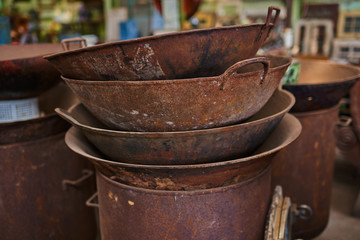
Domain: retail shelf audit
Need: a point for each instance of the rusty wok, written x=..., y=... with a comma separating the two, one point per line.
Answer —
x=23, y=71
x=187, y=104
x=193, y=53
x=321, y=84
x=189, y=177
x=185, y=147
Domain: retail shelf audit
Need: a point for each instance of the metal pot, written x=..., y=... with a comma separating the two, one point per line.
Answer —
x=187, y=177
x=193, y=53
x=23, y=71
x=186, y=104
x=321, y=84
x=233, y=212
x=47, y=125
x=186, y=147
x=305, y=169
x=39, y=196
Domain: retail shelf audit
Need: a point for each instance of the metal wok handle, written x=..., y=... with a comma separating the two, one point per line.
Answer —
x=232, y=71
x=67, y=116
x=65, y=43
x=269, y=16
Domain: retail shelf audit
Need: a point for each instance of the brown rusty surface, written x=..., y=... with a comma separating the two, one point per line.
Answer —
x=28, y=130
x=321, y=84
x=33, y=202
x=23, y=71
x=187, y=147
x=305, y=169
x=46, y=125
x=355, y=107
x=233, y=212
x=193, y=53
x=187, y=104
x=348, y=144
x=185, y=177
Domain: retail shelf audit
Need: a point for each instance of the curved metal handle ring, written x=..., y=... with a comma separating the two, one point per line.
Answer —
x=234, y=69
x=269, y=18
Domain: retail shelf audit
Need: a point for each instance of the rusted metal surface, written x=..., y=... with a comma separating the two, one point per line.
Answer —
x=185, y=54
x=33, y=202
x=23, y=131
x=46, y=125
x=187, y=104
x=187, y=177
x=23, y=71
x=187, y=147
x=34, y=162
x=355, y=107
x=347, y=142
x=321, y=84
x=305, y=169
x=232, y=212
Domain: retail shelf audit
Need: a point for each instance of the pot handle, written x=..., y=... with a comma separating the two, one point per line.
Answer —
x=233, y=70
x=302, y=211
x=90, y=202
x=269, y=19
x=65, y=43
x=344, y=121
x=86, y=173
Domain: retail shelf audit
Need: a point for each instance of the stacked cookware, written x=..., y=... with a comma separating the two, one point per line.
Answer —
x=181, y=128
x=305, y=168
x=39, y=197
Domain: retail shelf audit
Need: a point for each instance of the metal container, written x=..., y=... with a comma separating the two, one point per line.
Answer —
x=233, y=212
x=189, y=177
x=193, y=53
x=23, y=71
x=39, y=196
x=305, y=169
x=186, y=147
x=186, y=104
x=46, y=125
x=321, y=84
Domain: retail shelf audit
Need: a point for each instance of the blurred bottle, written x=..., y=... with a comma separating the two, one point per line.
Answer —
x=5, y=30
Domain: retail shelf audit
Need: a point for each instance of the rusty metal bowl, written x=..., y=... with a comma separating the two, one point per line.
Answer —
x=23, y=71
x=321, y=84
x=186, y=104
x=189, y=177
x=186, y=147
x=193, y=53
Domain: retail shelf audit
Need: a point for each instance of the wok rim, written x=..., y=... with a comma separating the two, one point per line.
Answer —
x=182, y=80
x=159, y=134
x=157, y=37
x=332, y=63
x=72, y=131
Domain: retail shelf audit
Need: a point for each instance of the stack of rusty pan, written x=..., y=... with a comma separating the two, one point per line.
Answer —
x=181, y=128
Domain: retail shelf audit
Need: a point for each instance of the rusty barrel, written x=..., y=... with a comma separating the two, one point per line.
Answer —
x=305, y=169
x=39, y=195
x=236, y=211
